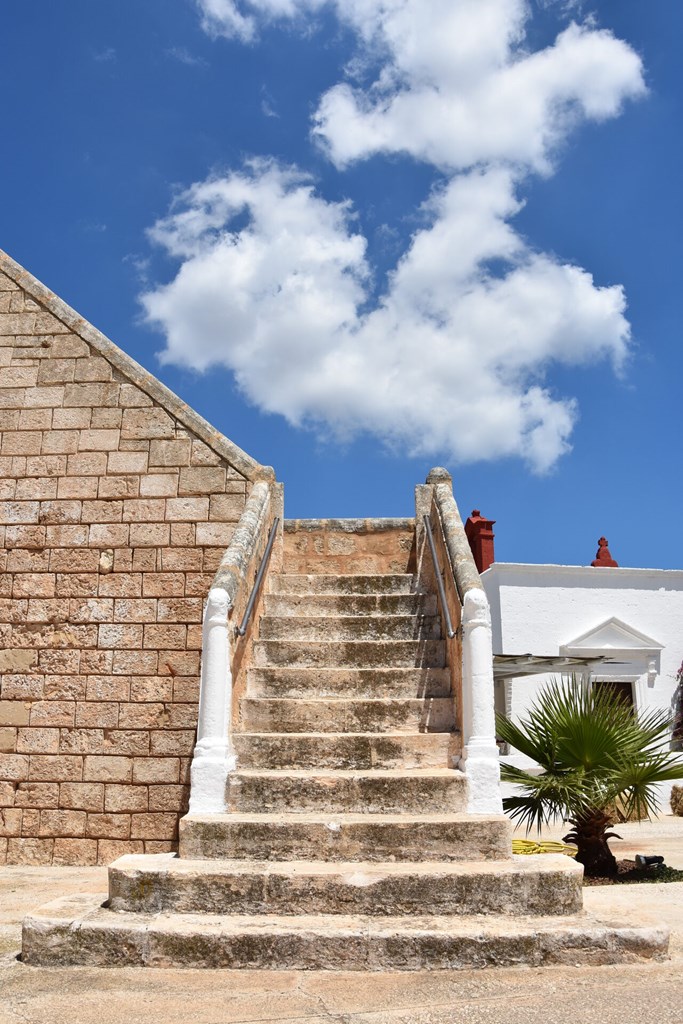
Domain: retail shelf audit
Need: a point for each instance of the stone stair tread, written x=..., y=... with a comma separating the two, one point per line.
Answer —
x=282, y=681
x=408, y=645
x=351, y=773
x=339, y=583
x=412, y=642
x=341, y=817
x=411, y=653
x=351, y=750
x=324, y=621
x=79, y=930
x=332, y=605
x=286, y=577
x=363, y=870
x=353, y=623
x=333, y=714
x=407, y=671
x=91, y=907
x=399, y=736
x=165, y=884
x=332, y=790
x=433, y=714
x=346, y=834
x=316, y=629
x=338, y=775
x=325, y=701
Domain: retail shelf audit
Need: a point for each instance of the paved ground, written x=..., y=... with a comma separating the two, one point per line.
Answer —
x=647, y=994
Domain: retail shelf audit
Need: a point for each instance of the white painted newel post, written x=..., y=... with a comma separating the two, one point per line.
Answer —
x=480, y=760
x=214, y=757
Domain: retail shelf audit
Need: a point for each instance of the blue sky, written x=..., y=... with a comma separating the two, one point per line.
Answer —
x=363, y=239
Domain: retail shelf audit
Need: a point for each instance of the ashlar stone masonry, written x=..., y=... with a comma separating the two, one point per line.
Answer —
x=116, y=504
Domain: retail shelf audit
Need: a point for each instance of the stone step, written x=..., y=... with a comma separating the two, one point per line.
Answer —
x=388, y=791
x=359, y=751
x=358, y=682
x=266, y=714
x=350, y=604
x=333, y=583
x=350, y=653
x=163, y=883
x=350, y=627
x=346, y=837
x=78, y=931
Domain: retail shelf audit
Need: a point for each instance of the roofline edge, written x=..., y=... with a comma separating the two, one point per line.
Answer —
x=137, y=374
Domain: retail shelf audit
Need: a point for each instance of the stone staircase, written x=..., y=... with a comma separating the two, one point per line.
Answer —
x=345, y=843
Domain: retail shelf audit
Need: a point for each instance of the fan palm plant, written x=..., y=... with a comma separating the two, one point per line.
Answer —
x=592, y=751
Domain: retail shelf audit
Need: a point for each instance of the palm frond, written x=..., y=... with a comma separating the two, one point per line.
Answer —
x=538, y=746
x=544, y=796
x=529, y=811
x=591, y=749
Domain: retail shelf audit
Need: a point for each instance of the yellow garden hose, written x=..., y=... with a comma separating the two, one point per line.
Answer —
x=528, y=846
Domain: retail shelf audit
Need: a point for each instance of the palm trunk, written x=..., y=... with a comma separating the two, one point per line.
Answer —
x=590, y=835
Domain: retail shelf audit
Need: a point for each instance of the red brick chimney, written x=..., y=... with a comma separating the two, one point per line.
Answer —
x=603, y=557
x=480, y=535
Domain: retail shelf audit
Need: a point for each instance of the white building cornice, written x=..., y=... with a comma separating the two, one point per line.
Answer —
x=588, y=575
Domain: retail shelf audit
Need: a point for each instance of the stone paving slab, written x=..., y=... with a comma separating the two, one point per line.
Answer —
x=606, y=995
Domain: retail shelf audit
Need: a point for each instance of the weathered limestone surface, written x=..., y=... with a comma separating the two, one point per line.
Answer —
x=361, y=751
x=116, y=504
x=171, y=885
x=345, y=843
x=345, y=683
x=346, y=837
x=327, y=942
x=429, y=790
x=381, y=714
x=349, y=546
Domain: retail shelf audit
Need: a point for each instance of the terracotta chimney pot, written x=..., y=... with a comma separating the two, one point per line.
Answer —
x=479, y=533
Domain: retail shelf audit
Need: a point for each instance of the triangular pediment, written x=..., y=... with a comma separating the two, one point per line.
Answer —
x=611, y=635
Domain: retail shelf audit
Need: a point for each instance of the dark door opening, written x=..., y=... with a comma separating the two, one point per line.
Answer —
x=623, y=691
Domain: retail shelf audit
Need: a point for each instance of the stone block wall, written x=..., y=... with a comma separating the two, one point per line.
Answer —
x=116, y=504
x=363, y=546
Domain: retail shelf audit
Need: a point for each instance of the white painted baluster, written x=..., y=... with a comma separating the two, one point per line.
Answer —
x=480, y=760
x=214, y=757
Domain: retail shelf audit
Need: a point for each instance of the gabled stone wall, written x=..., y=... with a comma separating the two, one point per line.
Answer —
x=116, y=504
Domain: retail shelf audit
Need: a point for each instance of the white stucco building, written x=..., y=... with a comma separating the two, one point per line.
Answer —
x=632, y=616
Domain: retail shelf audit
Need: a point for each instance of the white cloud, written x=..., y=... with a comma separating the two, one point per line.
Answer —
x=268, y=105
x=222, y=18
x=455, y=86
x=451, y=359
x=105, y=56
x=492, y=105
x=455, y=357
x=183, y=56
x=239, y=20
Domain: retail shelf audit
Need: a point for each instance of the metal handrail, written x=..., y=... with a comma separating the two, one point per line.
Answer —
x=439, y=579
x=242, y=628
